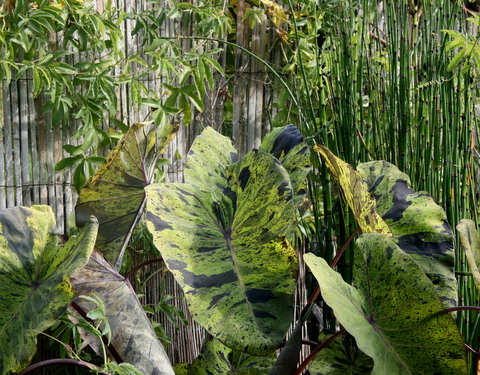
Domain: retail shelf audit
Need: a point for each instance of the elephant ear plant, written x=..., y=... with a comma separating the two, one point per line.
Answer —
x=223, y=234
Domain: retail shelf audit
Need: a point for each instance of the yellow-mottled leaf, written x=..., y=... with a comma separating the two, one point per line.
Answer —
x=355, y=193
x=470, y=244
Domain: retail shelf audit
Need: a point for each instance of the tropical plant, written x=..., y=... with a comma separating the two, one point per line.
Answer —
x=223, y=235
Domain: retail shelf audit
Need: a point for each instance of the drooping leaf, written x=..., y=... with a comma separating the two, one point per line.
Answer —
x=419, y=225
x=355, y=193
x=287, y=361
x=237, y=272
x=131, y=332
x=470, y=245
x=115, y=195
x=34, y=278
x=340, y=357
x=393, y=311
x=287, y=145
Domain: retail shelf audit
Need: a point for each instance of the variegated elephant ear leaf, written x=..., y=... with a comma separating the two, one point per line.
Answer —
x=132, y=334
x=237, y=272
x=340, y=357
x=34, y=275
x=355, y=193
x=210, y=155
x=470, y=243
x=115, y=194
x=393, y=310
x=288, y=146
x=419, y=225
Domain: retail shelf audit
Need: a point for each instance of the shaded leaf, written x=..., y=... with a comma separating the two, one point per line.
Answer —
x=470, y=245
x=216, y=358
x=34, y=275
x=340, y=357
x=288, y=358
x=355, y=193
x=237, y=272
x=419, y=225
x=131, y=332
x=115, y=195
x=287, y=145
x=392, y=310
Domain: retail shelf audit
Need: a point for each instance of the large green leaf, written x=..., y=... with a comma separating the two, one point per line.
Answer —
x=34, y=277
x=393, y=311
x=471, y=246
x=206, y=168
x=115, y=195
x=237, y=272
x=355, y=193
x=418, y=224
x=132, y=334
x=340, y=357
x=287, y=145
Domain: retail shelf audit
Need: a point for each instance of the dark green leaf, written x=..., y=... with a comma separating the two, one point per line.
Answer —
x=68, y=162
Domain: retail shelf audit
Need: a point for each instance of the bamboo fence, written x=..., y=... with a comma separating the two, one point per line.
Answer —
x=30, y=147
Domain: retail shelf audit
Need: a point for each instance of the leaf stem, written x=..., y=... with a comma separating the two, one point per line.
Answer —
x=313, y=354
x=116, y=355
x=334, y=262
x=156, y=260
x=64, y=361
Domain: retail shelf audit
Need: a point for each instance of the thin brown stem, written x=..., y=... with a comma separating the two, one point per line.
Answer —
x=313, y=354
x=63, y=361
x=116, y=355
x=334, y=262
x=156, y=260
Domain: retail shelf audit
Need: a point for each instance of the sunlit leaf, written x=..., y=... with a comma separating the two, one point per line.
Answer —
x=361, y=202
x=115, y=192
x=132, y=334
x=471, y=246
x=419, y=226
x=227, y=252
x=34, y=275
x=393, y=311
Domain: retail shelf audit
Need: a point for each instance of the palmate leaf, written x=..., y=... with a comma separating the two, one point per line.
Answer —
x=471, y=246
x=115, y=195
x=340, y=357
x=132, y=334
x=355, y=192
x=34, y=278
x=393, y=311
x=287, y=145
x=418, y=224
x=237, y=273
